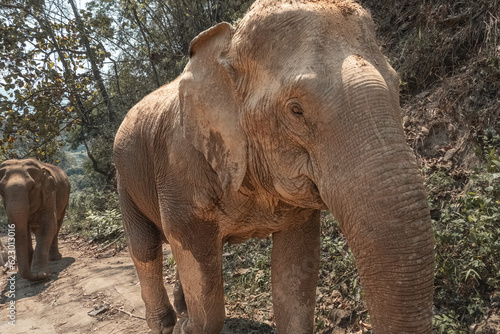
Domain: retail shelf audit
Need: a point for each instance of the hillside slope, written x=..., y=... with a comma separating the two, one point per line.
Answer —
x=447, y=54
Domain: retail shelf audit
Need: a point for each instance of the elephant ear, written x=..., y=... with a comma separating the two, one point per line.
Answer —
x=209, y=109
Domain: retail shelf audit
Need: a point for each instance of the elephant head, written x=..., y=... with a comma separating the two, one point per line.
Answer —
x=299, y=102
x=25, y=186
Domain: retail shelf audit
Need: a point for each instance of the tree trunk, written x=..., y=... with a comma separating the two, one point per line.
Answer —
x=142, y=29
x=93, y=62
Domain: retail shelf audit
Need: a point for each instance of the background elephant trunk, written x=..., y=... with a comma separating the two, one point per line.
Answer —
x=376, y=193
x=18, y=208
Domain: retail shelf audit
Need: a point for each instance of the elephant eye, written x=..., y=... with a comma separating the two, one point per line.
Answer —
x=295, y=108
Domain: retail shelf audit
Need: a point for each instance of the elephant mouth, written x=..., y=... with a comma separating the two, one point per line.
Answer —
x=301, y=192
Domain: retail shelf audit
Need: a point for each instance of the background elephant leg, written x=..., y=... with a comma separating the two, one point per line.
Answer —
x=54, y=253
x=179, y=299
x=44, y=236
x=294, y=270
x=202, y=286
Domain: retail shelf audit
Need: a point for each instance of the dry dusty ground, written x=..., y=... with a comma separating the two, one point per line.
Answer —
x=81, y=283
x=86, y=280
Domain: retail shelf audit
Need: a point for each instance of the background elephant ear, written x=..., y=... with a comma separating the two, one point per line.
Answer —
x=209, y=109
x=48, y=187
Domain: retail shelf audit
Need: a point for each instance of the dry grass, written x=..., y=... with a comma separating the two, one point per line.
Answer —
x=429, y=40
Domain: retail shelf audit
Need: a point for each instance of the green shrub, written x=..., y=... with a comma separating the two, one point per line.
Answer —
x=94, y=214
x=104, y=226
x=3, y=217
x=447, y=324
x=341, y=296
x=467, y=251
x=247, y=278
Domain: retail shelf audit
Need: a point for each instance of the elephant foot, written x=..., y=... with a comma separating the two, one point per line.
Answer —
x=182, y=326
x=164, y=324
x=36, y=277
x=39, y=272
x=163, y=330
x=55, y=256
x=185, y=326
x=39, y=276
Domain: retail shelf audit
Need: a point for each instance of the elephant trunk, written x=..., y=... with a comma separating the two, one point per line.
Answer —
x=386, y=221
x=378, y=197
x=18, y=214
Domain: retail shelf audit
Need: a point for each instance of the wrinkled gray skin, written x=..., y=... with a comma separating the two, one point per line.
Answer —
x=35, y=196
x=292, y=112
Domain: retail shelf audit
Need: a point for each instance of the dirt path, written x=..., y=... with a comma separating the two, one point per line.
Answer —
x=90, y=291
x=81, y=283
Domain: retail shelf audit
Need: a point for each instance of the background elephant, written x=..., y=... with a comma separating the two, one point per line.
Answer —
x=293, y=111
x=35, y=197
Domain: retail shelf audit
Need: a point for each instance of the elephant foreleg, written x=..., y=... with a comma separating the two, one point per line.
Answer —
x=294, y=270
x=44, y=237
x=54, y=253
x=200, y=272
x=145, y=246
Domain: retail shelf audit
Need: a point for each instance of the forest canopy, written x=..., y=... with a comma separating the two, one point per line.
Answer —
x=72, y=70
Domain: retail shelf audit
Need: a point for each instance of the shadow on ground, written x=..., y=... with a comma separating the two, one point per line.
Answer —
x=26, y=289
x=242, y=325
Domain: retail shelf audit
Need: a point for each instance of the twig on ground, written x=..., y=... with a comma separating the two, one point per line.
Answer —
x=111, y=243
x=132, y=315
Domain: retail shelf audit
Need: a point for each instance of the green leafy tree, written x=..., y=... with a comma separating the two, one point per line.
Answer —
x=39, y=61
x=151, y=38
x=52, y=83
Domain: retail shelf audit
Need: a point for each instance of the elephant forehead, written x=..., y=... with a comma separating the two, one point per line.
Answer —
x=303, y=50
x=287, y=27
x=309, y=79
x=268, y=7
x=16, y=176
x=16, y=163
x=19, y=168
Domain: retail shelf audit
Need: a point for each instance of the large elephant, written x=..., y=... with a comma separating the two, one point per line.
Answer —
x=294, y=111
x=35, y=197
